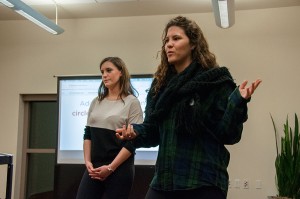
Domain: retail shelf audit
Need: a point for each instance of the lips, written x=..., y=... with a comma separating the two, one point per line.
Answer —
x=169, y=53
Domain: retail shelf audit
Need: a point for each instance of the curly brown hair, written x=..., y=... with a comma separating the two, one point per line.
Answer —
x=200, y=53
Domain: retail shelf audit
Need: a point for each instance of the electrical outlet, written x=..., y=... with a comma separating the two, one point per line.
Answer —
x=258, y=184
x=246, y=184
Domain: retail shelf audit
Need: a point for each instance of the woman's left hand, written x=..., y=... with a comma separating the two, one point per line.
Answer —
x=101, y=173
x=246, y=92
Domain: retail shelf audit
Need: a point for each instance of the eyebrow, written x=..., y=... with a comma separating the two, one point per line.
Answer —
x=176, y=34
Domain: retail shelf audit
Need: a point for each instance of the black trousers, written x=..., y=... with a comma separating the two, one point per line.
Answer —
x=201, y=193
x=116, y=186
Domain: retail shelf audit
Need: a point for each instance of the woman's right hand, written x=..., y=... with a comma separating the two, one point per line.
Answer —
x=89, y=166
x=126, y=133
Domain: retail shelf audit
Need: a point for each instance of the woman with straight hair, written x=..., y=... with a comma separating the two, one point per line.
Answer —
x=109, y=161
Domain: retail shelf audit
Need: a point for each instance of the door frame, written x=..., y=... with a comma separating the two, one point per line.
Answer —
x=22, y=141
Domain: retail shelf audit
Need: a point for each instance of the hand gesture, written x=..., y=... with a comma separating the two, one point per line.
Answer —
x=246, y=92
x=125, y=133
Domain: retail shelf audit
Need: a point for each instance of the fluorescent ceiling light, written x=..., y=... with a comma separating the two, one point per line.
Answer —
x=37, y=22
x=8, y=4
x=224, y=12
x=223, y=9
x=34, y=16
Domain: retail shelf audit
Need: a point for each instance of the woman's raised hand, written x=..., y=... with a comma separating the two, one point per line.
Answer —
x=246, y=92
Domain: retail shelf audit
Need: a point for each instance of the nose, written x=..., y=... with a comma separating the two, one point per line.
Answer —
x=169, y=44
x=104, y=74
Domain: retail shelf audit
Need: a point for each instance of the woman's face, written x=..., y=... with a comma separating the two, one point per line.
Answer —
x=178, y=48
x=110, y=74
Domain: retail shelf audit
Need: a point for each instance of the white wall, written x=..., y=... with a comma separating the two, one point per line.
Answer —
x=262, y=44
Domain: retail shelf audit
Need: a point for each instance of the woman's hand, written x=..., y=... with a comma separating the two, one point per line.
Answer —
x=93, y=173
x=89, y=166
x=101, y=173
x=126, y=133
x=246, y=92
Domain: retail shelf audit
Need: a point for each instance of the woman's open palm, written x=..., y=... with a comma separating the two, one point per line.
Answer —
x=246, y=92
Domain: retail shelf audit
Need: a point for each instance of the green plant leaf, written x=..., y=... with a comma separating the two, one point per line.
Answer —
x=287, y=162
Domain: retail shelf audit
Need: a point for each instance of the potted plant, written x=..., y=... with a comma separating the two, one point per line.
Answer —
x=287, y=162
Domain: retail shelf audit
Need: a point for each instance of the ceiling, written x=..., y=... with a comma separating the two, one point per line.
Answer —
x=72, y=9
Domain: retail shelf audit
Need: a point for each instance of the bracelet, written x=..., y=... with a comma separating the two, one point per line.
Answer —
x=110, y=169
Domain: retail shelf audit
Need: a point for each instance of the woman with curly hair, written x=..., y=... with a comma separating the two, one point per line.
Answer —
x=194, y=108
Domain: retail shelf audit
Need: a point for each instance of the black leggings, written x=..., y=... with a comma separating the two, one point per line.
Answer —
x=200, y=193
x=116, y=186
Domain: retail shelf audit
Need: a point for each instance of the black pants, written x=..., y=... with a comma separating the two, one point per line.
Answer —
x=201, y=193
x=116, y=186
